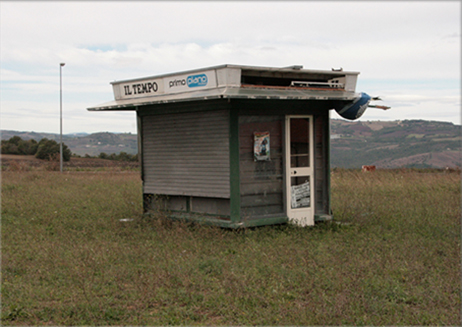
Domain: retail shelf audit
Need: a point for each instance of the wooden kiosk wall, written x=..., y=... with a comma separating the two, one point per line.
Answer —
x=197, y=159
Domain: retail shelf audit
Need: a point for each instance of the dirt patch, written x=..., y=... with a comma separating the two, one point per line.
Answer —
x=375, y=126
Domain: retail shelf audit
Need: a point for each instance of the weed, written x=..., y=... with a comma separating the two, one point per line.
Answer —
x=19, y=166
x=14, y=313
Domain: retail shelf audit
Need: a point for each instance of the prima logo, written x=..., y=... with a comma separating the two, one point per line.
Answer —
x=197, y=80
x=176, y=82
x=190, y=81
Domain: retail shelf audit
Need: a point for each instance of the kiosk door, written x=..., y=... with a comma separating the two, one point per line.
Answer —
x=299, y=170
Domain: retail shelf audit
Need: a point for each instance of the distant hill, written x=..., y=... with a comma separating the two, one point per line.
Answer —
x=83, y=143
x=385, y=144
x=408, y=143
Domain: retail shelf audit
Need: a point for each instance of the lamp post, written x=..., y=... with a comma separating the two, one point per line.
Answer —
x=61, y=117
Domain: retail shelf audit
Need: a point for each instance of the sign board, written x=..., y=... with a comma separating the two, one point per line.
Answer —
x=301, y=195
x=165, y=85
x=261, y=147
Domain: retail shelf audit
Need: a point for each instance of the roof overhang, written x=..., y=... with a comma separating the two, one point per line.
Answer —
x=227, y=93
x=233, y=82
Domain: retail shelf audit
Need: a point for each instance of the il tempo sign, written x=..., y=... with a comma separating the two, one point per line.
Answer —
x=166, y=85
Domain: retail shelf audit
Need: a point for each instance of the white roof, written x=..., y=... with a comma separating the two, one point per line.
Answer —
x=233, y=82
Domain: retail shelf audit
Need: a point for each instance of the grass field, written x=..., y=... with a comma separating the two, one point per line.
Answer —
x=391, y=258
x=13, y=162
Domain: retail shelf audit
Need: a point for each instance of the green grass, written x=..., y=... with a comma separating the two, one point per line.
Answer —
x=392, y=257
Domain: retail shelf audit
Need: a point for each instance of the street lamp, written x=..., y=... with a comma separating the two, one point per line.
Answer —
x=61, y=117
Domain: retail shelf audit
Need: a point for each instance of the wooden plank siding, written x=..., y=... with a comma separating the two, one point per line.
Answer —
x=262, y=187
x=187, y=154
x=199, y=159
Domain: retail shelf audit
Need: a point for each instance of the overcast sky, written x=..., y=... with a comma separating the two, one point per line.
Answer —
x=407, y=52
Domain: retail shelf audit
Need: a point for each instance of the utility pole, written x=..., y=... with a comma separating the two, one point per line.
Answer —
x=61, y=117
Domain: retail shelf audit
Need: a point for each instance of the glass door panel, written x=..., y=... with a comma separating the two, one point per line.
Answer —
x=299, y=169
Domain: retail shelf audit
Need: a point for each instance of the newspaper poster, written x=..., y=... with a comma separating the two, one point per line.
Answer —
x=301, y=195
x=261, y=147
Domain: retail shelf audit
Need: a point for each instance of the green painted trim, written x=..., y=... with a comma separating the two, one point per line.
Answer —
x=284, y=107
x=188, y=204
x=265, y=221
x=202, y=219
x=213, y=221
x=185, y=213
x=321, y=217
x=234, y=178
x=182, y=107
x=328, y=172
x=139, y=126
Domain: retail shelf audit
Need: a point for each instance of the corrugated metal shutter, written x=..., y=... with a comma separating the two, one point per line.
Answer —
x=187, y=154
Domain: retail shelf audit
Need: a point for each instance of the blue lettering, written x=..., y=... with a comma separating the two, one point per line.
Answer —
x=197, y=80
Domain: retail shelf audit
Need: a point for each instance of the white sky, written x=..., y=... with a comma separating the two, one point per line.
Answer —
x=407, y=52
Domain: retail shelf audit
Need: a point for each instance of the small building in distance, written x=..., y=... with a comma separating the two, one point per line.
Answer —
x=238, y=146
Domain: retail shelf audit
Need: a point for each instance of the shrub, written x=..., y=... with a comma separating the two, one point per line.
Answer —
x=28, y=147
x=9, y=148
x=47, y=149
x=122, y=156
x=103, y=155
x=16, y=145
x=15, y=140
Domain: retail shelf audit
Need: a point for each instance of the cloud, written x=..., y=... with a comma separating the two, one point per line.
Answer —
x=407, y=52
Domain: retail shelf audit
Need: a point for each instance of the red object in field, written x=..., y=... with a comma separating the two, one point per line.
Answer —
x=368, y=168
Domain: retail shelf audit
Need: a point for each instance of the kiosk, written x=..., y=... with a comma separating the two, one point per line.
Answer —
x=238, y=146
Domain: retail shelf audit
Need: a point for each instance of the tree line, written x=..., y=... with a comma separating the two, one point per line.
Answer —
x=49, y=150
x=44, y=149
x=122, y=156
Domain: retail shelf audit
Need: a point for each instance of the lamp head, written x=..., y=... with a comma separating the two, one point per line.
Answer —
x=62, y=64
